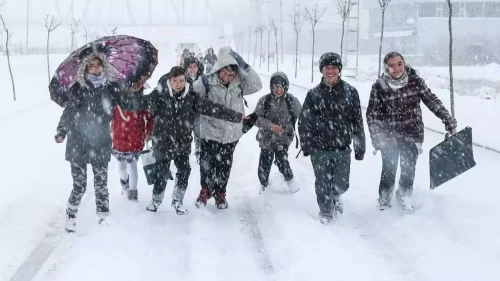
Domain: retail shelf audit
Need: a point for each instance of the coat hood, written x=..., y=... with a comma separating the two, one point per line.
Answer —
x=109, y=71
x=279, y=77
x=224, y=59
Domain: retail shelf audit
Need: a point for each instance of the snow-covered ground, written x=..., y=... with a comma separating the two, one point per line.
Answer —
x=275, y=236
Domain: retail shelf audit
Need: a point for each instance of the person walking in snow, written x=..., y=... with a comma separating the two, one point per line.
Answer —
x=210, y=59
x=194, y=70
x=396, y=128
x=277, y=113
x=130, y=131
x=86, y=122
x=231, y=79
x=330, y=121
x=174, y=106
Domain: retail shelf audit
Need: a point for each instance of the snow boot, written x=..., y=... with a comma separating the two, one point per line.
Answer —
x=179, y=207
x=203, y=197
x=101, y=218
x=70, y=223
x=153, y=207
x=325, y=217
x=125, y=185
x=220, y=200
x=338, y=207
x=404, y=201
x=384, y=200
x=132, y=194
x=293, y=186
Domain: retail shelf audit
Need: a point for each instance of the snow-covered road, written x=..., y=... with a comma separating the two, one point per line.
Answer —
x=274, y=236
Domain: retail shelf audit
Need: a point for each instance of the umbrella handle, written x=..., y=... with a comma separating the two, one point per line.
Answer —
x=126, y=119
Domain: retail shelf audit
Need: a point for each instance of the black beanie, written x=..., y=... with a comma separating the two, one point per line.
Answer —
x=330, y=58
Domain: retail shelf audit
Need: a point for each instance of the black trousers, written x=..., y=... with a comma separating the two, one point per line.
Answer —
x=79, y=174
x=407, y=154
x=266, y=161
x=216, y=161
x=162, y=170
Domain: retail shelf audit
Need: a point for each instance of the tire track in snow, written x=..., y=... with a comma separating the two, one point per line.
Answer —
x=251, y=225
x=386, y=249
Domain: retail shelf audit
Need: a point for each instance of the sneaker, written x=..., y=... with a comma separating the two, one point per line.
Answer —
x=404, y=200
x=153, y=207
x=124, y=184
x=179, y=208
x=70, y=223
x=132, y=194
x=293, y=185
x=220, y=200
x=203, y=197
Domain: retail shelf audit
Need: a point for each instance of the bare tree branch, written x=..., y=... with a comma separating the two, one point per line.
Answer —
x=112, y=31
x=86, y=34
x=51, y=23
x=74, y=29
x=313, y=17
x=9, y=35
x=261, y=29
x=274, y=27
x=383, y=6
x=297, y=19
x=344, y=8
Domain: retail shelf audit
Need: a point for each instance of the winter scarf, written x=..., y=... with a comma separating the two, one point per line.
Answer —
x=98, y=80
x=395, y=83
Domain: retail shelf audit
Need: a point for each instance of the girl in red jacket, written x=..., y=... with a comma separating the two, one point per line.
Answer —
x=131, y=130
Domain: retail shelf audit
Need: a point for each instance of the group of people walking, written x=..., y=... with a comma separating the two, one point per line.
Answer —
x=187, y=105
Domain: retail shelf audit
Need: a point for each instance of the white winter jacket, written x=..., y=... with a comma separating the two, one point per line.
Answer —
x=245, y=83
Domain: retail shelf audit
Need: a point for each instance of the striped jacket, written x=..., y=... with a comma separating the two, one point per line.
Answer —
x=396, y=114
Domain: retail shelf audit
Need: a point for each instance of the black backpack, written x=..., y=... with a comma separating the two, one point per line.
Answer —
x=248, y=124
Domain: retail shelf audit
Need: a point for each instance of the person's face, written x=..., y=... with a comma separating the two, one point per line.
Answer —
x=395, y=67
x=278, y=90
x=226, y=76
x=178, y=83
x=95, y=66
x=331, y=74
x=193, y=69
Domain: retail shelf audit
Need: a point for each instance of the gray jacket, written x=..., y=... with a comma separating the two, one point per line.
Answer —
x=245, y=83
x=277, y=113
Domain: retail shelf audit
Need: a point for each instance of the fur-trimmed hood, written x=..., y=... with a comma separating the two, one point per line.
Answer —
x=109, y=71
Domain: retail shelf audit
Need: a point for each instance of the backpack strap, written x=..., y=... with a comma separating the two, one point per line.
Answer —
x=293, y=119
x=267, y=104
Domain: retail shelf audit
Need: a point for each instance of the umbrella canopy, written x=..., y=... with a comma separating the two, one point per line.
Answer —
x=127, y=61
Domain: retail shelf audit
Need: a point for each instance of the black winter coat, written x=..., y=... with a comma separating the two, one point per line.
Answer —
x=331, y=118
x=86, y=123
x=174, y=118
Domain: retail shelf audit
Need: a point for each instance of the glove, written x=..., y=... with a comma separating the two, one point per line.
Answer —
x=239, y=60
x=359, y=154
x=306, y=153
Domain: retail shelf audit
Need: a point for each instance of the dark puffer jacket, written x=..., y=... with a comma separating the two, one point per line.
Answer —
x=86, y=123
x=174, y=116
x=331, y=117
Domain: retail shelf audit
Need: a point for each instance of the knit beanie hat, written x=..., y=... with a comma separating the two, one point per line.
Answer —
x=330, y=58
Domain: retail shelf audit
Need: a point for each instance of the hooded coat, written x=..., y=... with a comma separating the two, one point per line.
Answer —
x=245, y=83
x=174, y=116
x=277, y=113
x=86, y=119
